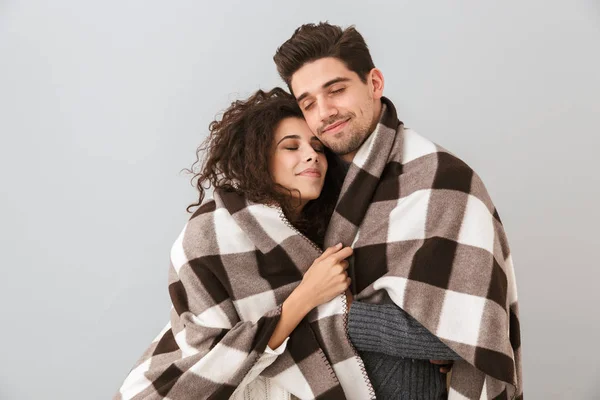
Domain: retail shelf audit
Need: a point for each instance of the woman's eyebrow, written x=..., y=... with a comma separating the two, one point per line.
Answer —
x=288, y=137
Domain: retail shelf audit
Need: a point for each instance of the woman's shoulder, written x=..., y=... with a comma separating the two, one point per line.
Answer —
x=215, y=217
x=207, y=208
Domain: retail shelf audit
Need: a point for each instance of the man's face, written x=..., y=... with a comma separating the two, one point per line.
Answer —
x=338, y=107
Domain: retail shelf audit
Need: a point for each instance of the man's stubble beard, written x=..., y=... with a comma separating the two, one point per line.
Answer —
x=352, y=144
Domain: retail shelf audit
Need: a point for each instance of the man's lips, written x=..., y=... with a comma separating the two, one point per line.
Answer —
x=312, y=172
x=335, y=126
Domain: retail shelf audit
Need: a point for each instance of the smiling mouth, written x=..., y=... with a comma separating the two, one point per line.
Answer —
x=311, y=172
x=335, y=126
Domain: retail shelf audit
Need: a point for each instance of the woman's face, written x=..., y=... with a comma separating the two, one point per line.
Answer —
x=297, y=159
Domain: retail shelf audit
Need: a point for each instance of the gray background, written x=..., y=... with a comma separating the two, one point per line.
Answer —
x=102, y=104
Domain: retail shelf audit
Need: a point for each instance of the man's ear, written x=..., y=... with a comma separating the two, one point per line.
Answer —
x=376, y=81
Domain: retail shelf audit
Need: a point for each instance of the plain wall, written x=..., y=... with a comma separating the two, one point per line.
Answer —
x=103, y=103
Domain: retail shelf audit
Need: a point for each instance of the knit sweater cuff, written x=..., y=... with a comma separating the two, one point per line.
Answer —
x=387, y=329
x=278, y=350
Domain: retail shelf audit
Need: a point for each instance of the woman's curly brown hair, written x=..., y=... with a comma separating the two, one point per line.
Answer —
x=235, y=157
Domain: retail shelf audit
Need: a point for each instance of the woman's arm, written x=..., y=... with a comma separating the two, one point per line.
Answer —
x=293, y=310
x=207, y=350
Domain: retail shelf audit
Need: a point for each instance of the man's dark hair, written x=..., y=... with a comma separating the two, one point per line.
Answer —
x=311, y=42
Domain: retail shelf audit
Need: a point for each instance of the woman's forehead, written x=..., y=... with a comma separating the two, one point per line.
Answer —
x=293, y=126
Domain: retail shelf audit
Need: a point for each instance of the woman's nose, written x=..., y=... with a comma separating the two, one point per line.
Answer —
x=311, y=155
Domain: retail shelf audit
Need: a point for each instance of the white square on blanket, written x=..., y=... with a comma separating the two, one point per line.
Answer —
x=415, y=146
x=269, y=219
x=365, y=150
x=395, y=287
x=408, y=219
x=477, y=227
x=295, y=380
x=136, y=381
x=230, y=237
x=178, y=257
x=187, y=349
x=213, y=317
x=335, y=306
x=461, y=317
x=219, y=364
x=352, y=379
x=252, y=308
x=454, y=395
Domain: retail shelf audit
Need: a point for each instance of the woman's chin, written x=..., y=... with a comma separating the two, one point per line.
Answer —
x=309, y=195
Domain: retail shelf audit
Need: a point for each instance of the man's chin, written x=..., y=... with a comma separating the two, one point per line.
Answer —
x=335, y=141
x=340, y=149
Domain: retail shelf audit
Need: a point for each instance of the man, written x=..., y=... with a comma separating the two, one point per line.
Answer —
x=434, y=259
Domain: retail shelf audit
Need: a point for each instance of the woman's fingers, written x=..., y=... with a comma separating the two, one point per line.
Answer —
x=329, y=251
x=344, y=264
x=340, y=255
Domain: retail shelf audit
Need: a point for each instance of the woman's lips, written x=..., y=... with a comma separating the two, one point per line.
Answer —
x=311, y=172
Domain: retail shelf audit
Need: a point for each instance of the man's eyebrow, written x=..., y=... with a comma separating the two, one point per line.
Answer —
x=324, y=86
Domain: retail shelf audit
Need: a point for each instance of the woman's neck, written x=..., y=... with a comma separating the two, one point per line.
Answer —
x=293, y=214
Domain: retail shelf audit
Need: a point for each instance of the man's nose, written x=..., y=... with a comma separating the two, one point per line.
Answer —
x=326, y=110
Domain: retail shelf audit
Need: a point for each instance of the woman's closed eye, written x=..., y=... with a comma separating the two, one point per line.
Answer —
x=317, y=149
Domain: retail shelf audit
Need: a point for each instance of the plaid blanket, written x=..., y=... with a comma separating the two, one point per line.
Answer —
x=231, y=269
x=427, y=237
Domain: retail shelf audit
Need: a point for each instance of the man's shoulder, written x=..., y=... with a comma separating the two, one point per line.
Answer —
x=426, y=158
x=416, y=146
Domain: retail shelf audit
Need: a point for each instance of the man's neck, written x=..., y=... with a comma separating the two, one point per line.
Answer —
x=378, y=109
x=348, y=158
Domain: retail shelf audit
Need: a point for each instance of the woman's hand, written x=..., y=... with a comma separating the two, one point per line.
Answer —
x=326, y=277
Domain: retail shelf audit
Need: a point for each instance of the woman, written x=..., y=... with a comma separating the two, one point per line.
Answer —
x=248, y=269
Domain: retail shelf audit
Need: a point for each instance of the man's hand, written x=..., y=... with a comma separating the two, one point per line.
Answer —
x=445, y=365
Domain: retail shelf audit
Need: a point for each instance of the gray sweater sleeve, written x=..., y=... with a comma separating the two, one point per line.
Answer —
x=388, y=329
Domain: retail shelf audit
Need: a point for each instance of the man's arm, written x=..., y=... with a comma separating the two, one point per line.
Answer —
x=386, y=328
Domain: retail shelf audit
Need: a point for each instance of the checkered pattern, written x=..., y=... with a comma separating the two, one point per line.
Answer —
x=231, y=269
x=427, y=236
